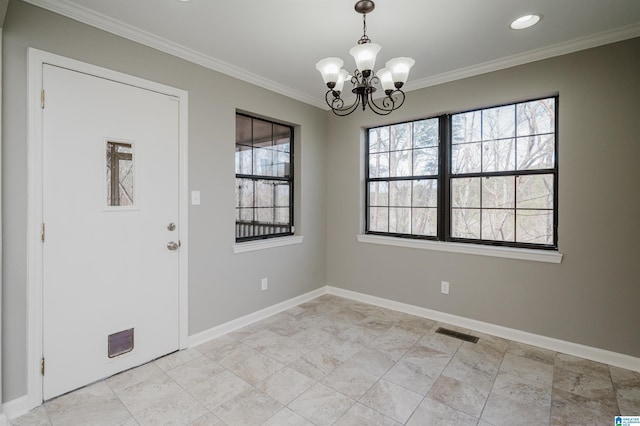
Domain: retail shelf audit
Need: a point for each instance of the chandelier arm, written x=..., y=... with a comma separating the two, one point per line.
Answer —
x=332, y=100
x=391, y=102
x=337, y=104
x=381, y=110
x=346, y=111
x=402, y=97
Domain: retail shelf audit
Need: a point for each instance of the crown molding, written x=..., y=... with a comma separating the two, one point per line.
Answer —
x=564, y=48
x=103, y=22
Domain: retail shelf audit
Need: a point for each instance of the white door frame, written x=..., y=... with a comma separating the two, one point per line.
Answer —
x=3, y=417
x=37, y=59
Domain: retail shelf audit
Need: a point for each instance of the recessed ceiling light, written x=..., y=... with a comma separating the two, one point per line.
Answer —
x=525, y=21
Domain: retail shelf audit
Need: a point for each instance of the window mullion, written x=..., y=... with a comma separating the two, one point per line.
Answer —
x=516, y=180
x=389, y=185
x=367, y=180
x=413, y=152
x=444, y=179
x=263, y=177
x=254, y=208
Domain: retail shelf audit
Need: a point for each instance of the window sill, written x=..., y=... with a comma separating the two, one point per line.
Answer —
x=493, y=251
x=266, y=243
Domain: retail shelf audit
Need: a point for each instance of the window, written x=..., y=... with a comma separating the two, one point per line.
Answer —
x=264, y=179
x=487, y=176
x=403, y=178
x=119, y=174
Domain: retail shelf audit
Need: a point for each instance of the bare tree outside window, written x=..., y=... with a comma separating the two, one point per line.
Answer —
x=119, y=174
x=506, y=156
x=499, y=186
x=402, y=178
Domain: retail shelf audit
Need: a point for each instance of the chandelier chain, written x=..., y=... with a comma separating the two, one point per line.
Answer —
x=364, y=39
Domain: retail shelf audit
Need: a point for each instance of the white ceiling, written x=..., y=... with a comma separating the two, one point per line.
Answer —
x=276, y=43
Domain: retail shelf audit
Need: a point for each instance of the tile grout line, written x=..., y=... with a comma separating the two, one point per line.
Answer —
x=615, y=389
x=388, y=370
x=492, y=385
x=118, y=397
x=426, y=394
x=553, y=376
x=357, y=400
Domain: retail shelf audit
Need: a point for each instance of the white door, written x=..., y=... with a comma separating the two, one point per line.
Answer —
x=110, y=193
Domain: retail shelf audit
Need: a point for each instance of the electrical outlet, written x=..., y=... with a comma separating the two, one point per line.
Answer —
x=265, y=284
x=444, y=287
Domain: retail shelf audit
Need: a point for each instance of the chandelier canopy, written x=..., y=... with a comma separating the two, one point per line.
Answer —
x=392, y=77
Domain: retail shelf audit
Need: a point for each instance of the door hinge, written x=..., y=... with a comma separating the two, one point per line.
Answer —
x=42, y=366
x=42, y=99
x=42, y=233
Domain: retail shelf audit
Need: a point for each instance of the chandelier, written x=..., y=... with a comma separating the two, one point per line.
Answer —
x=392, y=77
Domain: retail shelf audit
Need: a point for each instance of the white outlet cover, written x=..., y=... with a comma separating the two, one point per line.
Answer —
x=444, y=287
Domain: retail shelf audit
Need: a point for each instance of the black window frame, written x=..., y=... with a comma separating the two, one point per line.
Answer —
x=255, y=230
x=435, y=177
x=445, y=176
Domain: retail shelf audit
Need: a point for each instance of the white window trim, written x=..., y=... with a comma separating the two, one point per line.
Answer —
x=548, y=256
x=266, y=243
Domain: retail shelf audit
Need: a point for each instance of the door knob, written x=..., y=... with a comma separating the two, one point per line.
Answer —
x=171, y=226
x=172, y=245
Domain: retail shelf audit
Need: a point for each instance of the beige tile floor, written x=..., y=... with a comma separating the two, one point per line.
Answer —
x=333, y=361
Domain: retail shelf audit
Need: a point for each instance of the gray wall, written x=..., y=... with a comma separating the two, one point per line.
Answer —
x=3, y=10
x=222, y=286
x=590, y=298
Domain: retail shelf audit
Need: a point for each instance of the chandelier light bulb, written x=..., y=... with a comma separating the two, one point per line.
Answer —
x=343, y=76
x=386, y=79
x=399, y=68
x=329, y=69
x=365, y=55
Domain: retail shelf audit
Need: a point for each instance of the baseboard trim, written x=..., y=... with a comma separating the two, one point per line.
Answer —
x=246, y=320
x=19, y=406
x=15, y=408
x=587, y=352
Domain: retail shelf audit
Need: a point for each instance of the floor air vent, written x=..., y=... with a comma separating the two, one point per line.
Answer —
x=457, y=335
